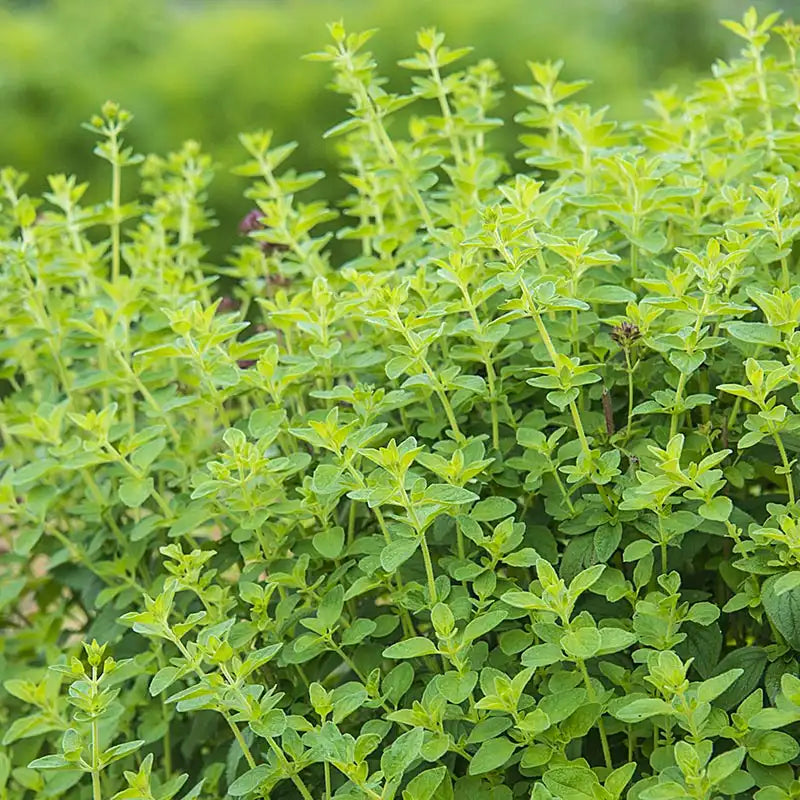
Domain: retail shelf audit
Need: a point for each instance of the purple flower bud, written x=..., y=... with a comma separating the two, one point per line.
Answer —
x=252, y=222
x=228, y=304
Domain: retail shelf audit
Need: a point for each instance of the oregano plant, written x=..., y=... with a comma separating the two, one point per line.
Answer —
x=480, y=481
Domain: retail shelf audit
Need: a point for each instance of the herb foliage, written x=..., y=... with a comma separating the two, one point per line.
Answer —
x=484, y=482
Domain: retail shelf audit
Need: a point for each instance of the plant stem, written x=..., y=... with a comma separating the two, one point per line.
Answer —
x=662, y=541
x=242, y=743
x=97, y=793
x=491, y=376
x=147, y=396
x=600, y=726
x=629, y=370
x=426, y=553
x=116, y=190
x=135, y=473
x=405, y=617
x=562, y=488
x=443, y=399
x=426, y=557
x=786, y=466
x=576, y=418
x=673, y=425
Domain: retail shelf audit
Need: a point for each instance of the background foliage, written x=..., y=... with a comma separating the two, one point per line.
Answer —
x=205, y=70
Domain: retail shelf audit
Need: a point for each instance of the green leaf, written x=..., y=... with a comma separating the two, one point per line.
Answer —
x=265, y=423
x=163, y=679
x=269, y=725
x=397, y=553
x=347, y=699
x=424, y=785
x=480, y=626
x=724, y=765
x=637, y=550
x=250, y=781
x=582, y=643
x=718, y=509
x=612, y=640
x=133, y=492
x=119, y=751
x=411, y=648
x=330, y=609
x=687, y=363
x=641, y=709
x=330, y=542
x=754, y=333
x=772, y=747
x=783, y=610
x=493, y=508
x=448, y=495
x=542, y=655
x=584, y=580
x=359, y=630
x=24, y=727
x=491, y=755
x=144, y=456
x=51, y=762
x=399, y=756
x=619, y=779
x=712, y=688
x=572, y=783
x=752, y=661
x=456, y=688
x=609, y=294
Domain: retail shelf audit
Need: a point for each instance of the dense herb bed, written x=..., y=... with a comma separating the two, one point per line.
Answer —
x=483, y=484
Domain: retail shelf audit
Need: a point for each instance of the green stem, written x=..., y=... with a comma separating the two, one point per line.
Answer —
x=351, y=522
x=576, y=418
x=443, y=399
x=600, y=726
x=562, y=488
x=147, y=396
x=786, y=466
x=296, y=779
x=405, y=617
x=242, y=743
x=116, y=190
x=426, y=557
x=97, y=793
x=673, y=425
x=490, y=377
x=350, y=663
x=540, y=326
x=441, y=93
x=167, y=741
x=630, y=394
x=140, y=476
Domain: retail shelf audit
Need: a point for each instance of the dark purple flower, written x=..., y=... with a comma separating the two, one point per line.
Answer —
x=625, y=334
x=228, y=304
x=252, y=222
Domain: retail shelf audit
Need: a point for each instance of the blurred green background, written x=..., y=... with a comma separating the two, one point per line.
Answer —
x=206, y=70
